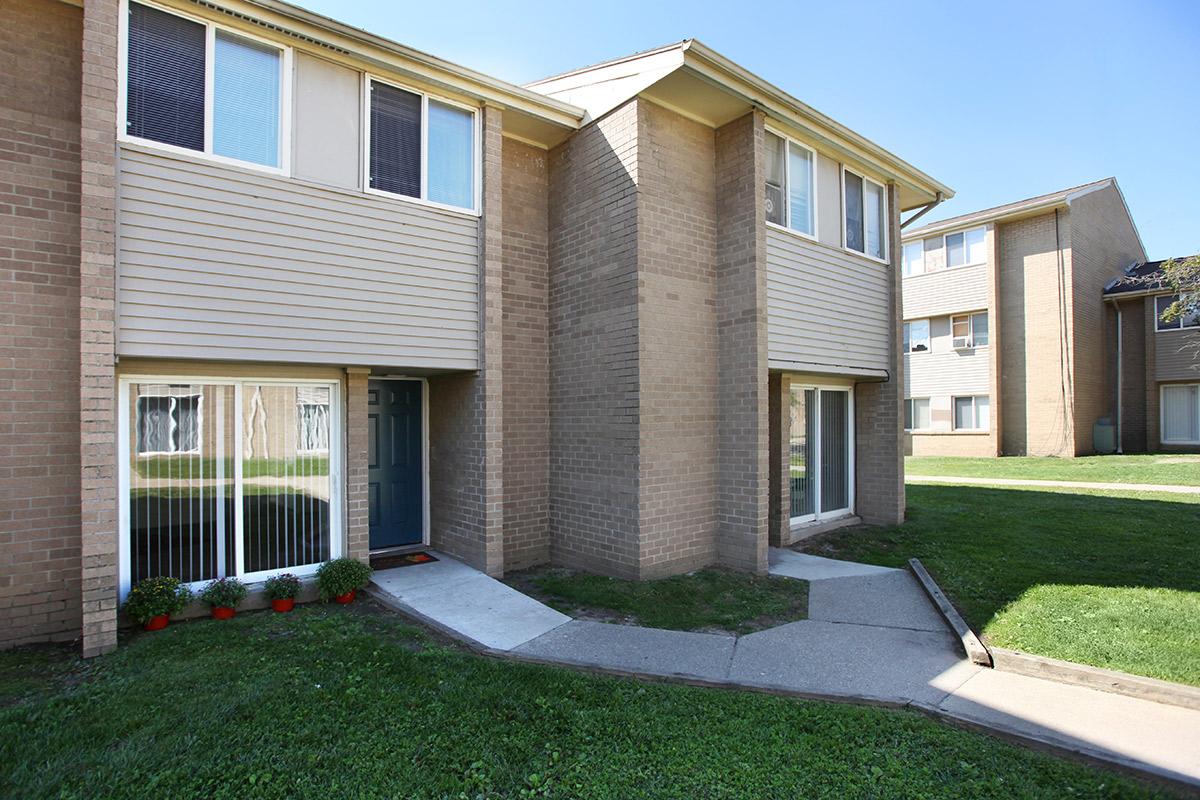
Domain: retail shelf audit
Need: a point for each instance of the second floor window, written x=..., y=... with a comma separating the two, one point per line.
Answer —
x=790, y=185
x=914, y=258
x=420, y=147
x=1161, y=304
x=916, y=336
x=966, y=248
x=969, y=330
x=172, y=64
x=866, y=215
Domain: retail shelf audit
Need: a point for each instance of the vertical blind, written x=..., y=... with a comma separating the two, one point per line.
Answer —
x=835, y=450
x=1181, y=413
x=802, y=465
x=451, y=155
x=395, y=140
x=854, y=212
x=246, y=100
x=165, y=89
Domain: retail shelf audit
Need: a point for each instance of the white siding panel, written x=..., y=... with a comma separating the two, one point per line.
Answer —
x=946, y=292
x=957, y=372
x=220, y=262
x=825, y=306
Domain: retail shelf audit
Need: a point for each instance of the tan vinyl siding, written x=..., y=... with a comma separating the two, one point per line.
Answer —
x=957, y=372
x=947, y=292
x=1176, y=355
x=826, y=307
x=221, y=262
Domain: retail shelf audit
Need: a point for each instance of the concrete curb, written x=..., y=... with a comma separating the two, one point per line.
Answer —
x=1105, y=680
x=970, y=642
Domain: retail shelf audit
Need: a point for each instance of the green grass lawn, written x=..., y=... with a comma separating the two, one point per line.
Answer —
x=709, y=599
x=346, y=702
x=1110, y=579
x=1180, y=470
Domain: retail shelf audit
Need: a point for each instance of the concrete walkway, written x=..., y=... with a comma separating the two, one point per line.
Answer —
x=871, y=636
x=1123, y=487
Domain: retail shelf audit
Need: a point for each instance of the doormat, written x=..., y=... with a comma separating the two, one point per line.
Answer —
x=401, y=560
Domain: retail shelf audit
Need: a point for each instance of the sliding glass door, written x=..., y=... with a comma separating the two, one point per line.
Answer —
x=821, y=458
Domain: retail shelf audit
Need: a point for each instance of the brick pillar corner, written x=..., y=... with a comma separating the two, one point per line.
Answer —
x=97, y=317
x=781, y=464
x=358, y=542
x=492, y=339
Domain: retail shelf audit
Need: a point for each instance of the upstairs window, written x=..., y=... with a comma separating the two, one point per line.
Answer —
x=866, y=215
x=913, y=258
x=197, y=87
x=966, y=248
x=420, y=147
x=790, y=186
x=916, y=336
x=1161, y=304
x=969, y=330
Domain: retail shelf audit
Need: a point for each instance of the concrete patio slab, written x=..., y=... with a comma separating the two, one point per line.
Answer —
x=1127, y=730
x=835, y=659
x=465, y=603
x=791, y=564
x=649, y=651
x=892, y=600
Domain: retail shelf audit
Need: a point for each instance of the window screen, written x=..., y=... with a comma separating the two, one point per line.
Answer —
x=165, y=91
x=395, y=140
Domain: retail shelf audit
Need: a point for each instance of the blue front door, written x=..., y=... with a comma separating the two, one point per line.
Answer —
x=396, y=466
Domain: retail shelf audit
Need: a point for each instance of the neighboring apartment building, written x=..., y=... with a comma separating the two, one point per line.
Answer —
x=1004, y=324
x=277, y=290
x=1154, y=364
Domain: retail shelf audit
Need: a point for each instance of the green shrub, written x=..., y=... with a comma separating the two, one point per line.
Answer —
x=341, y=575
x=224, y=593
x=155, y=596
x=283, y=587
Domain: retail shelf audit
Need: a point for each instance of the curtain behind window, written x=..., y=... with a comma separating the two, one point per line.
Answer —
x=165, y=97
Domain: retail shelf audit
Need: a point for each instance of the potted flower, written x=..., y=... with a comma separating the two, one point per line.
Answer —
x=152, y=602
x=224, y=595
x=341, y=578
x=283, y=590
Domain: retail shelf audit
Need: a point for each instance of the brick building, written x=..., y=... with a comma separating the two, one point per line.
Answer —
x=278, y=290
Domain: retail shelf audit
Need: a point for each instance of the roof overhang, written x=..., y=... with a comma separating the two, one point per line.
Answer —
x=697, y=82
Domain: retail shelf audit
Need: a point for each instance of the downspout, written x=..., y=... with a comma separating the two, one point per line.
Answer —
x=925, y=209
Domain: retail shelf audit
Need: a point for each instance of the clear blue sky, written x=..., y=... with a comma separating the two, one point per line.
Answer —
x=1000, y=101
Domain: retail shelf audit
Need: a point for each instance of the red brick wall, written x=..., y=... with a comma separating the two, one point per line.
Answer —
x=39, y=321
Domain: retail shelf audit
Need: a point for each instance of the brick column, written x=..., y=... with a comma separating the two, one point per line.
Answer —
x=491, y=322
x=742, y=441
x=358, y=505
x=879, y=411
x=97, y=313
x=781, y=461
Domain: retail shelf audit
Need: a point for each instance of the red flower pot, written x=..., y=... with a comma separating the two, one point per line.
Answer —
x=283, y=604
x=346, y=598
x=157, y=623
x=222, y=612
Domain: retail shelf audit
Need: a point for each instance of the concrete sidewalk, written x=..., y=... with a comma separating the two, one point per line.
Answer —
x=1123, y=487
x=871, y=636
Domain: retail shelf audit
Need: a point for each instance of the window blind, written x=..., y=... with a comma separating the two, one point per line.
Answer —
x=395, y=140
x=451, y=155
x=246, y=101
x=854, y=213
x=165, y=90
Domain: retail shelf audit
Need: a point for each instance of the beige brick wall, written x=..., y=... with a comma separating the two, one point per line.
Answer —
x=1103, y=242
x=975, y=445
x=1036, y=359
x=526, y=357
x=358, y=500
x=39, y=322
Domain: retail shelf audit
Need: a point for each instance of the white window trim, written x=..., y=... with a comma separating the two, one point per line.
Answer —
x=920, y=243
x=285, y=93
x=199, y=428
x=964, y=232
x=884, y=234
x=1162, y=417
x=928, y=337
x=788, y=141
x=477, y=156
x=821, y=514
x=1158, y=319
x=337, y=504
x=908, y=413
x=970, y=343
x=974, y=412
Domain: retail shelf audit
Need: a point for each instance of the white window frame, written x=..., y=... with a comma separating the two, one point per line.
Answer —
x=337, y=503
x=909, y=414
x=477, y=156
x=928, y=336
x=945, y=248
x=1183, y=324
x=788, y=141
x=1162, y=417
x=968, y=341
x=820, y=514
x=974, y=412
x=920, y=245
x=210, y=37
x=199, y=427
x=885, y=234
